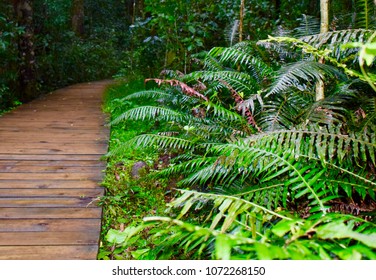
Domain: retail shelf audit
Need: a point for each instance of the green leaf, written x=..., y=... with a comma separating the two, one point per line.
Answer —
x=338, y=230
x=283, y=227
x=115, y=236
x=137, y=254
x=223, y=247
x=121, y=237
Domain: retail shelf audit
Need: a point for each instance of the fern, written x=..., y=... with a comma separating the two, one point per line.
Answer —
x=147, y=94
x=335, y=39
x=229, y=207
x=238, y=230
x=308, y=25
x=307, y=156
x=323, y=145
x=285, y=111
x=241, y=82
x=160, y=141
x=301, y=76
x=365, y=15
x=149, y=113
x=239, y=54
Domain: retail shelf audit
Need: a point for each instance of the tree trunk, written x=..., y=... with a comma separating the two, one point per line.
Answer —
x=324, y=27
x=241, y=20
x=78, y=17
x=134, y=9
x=324, y=8
x=27, y=67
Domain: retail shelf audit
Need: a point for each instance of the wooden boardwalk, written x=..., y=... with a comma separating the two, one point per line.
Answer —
x=50, y=174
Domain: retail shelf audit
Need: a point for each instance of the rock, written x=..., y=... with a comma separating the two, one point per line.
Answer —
x=138, y=168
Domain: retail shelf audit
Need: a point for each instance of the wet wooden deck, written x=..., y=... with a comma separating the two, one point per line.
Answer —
x=50, y=174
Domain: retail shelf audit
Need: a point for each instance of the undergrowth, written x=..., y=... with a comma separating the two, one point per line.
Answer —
x=264, y=170
x=128, y=198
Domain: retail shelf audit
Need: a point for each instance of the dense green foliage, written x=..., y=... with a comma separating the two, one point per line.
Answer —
x=251, y=164
x=63, y=57
x=141, y=38
x=8, y=59
x=128, y=199
x=265, y=171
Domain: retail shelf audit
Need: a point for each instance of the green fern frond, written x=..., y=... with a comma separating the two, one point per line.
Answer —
x=162, y=141
x=333, y=41
x=287, y=239
x=240, y=81
x=237, y=56
x=303, y=156
x=195, y=240
x=321, y=144
x=148, y=94
x=212, y=64
x=285, y=111
x=368, y=108
x=264, y=163
x=274, y=194
x=149, y=113
x=186, y=167
x=308, y=25
x=229, y=207
x=301, y=75
x=224, y=114
x=150, y=140
x=365, y=13
x=316, y=53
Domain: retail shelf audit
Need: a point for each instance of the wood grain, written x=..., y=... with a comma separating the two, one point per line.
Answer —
x=50, y=175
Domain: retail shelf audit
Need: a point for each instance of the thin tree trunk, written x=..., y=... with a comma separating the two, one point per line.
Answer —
x=141, y=7
x=241, y=20
x=129, y=10
x=324, y=8
x=324, y=27
x=27, y=67
x=78, y=17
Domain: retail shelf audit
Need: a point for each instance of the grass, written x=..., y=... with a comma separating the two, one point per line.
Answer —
x=128, y=199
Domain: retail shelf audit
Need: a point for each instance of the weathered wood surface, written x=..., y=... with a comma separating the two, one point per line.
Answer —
x=50, y=174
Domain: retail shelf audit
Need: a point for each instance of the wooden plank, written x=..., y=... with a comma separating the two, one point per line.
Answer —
x=93, y=175
x=82, y=149
x=70, y=146
x=48, y=202
x=53, y=125
x=46, y=136
x=30, y=130
x=48, y=163
x=49, y=117
x=52, y=168
x=49, y=238
x=78, y=192
x=49, y=252
x=57, y=141
x=47, y=184
x=48, y=225
x=50, y=213
x=30, y=156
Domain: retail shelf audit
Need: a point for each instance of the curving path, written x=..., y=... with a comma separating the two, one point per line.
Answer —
x=50, y=174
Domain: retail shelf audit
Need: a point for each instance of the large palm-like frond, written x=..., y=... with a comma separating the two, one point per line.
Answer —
x=301, y=75
x=240, y=54
x=365, y=13
x=333, y=41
